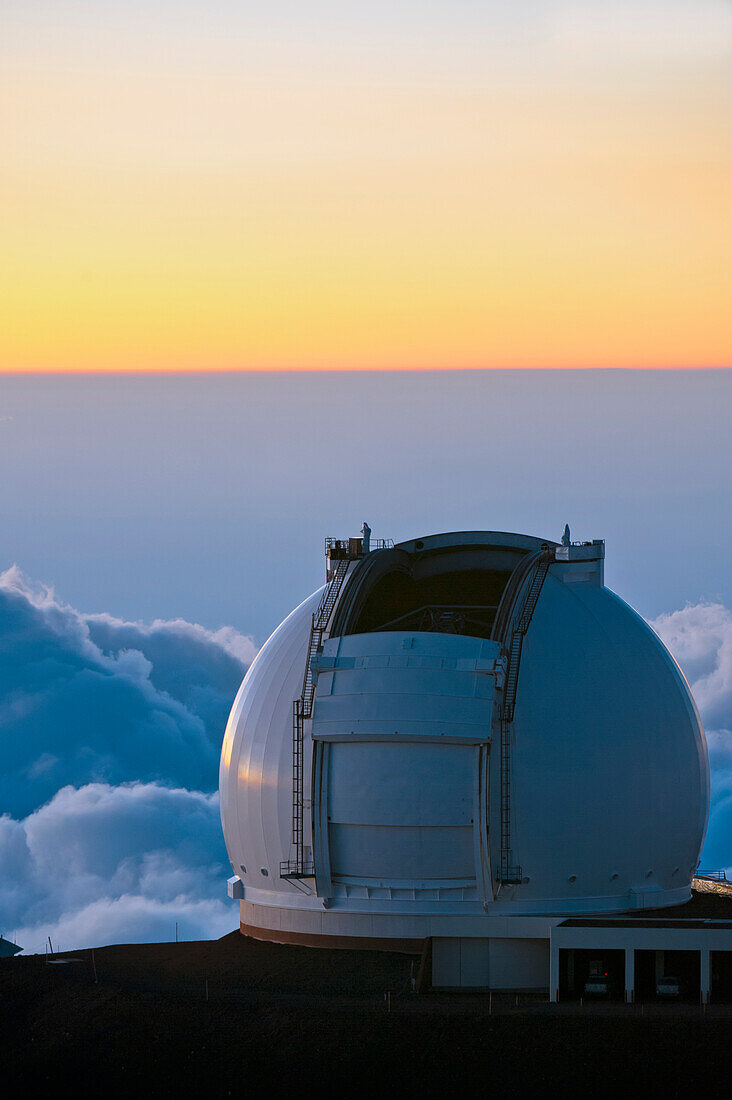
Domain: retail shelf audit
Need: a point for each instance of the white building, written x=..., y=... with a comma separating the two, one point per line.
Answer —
x=462, y=740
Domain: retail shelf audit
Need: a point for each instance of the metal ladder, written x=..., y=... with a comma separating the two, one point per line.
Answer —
x=509, y=872
x=302, y=709
x=518, y=634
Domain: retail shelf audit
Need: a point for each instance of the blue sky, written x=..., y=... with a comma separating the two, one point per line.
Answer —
x=208, y=496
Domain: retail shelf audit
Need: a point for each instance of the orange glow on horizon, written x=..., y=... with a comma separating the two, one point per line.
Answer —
x=281, y=207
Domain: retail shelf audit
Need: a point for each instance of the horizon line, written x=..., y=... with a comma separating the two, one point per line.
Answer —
x=672, y=367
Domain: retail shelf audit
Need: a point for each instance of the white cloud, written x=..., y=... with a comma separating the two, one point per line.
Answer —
x=110, y=735
x=105, y=864
x=85, y=698
x=700, y=637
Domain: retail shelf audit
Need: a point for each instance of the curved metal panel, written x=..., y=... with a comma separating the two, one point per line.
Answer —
x=610, y=778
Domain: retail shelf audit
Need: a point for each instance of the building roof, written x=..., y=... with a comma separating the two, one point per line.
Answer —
x=705, y=909
x=644, y=922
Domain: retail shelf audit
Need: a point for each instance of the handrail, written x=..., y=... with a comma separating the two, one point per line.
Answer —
x=344, y=546
x=435, y=607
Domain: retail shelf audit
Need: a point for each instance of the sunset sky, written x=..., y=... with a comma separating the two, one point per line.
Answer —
x=313, y=212
x=365, y=185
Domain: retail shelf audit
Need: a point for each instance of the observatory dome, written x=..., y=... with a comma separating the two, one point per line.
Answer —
x=465, y=736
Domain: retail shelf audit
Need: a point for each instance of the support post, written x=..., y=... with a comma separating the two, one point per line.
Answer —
x=629, y=975
x=553, y=972
x=705, y=975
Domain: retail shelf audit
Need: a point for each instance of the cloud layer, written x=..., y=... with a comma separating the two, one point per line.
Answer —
x=115, y=864
x=87, y=698
x=110, y=735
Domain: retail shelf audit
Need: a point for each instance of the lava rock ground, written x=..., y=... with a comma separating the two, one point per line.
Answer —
x=238, y=1017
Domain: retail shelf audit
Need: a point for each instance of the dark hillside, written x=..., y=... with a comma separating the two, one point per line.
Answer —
x=280, y=1017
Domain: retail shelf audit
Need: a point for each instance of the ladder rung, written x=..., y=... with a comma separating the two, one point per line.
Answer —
x=302, y=709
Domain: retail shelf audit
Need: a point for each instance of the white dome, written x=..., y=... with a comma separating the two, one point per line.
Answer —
x=603, y=784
